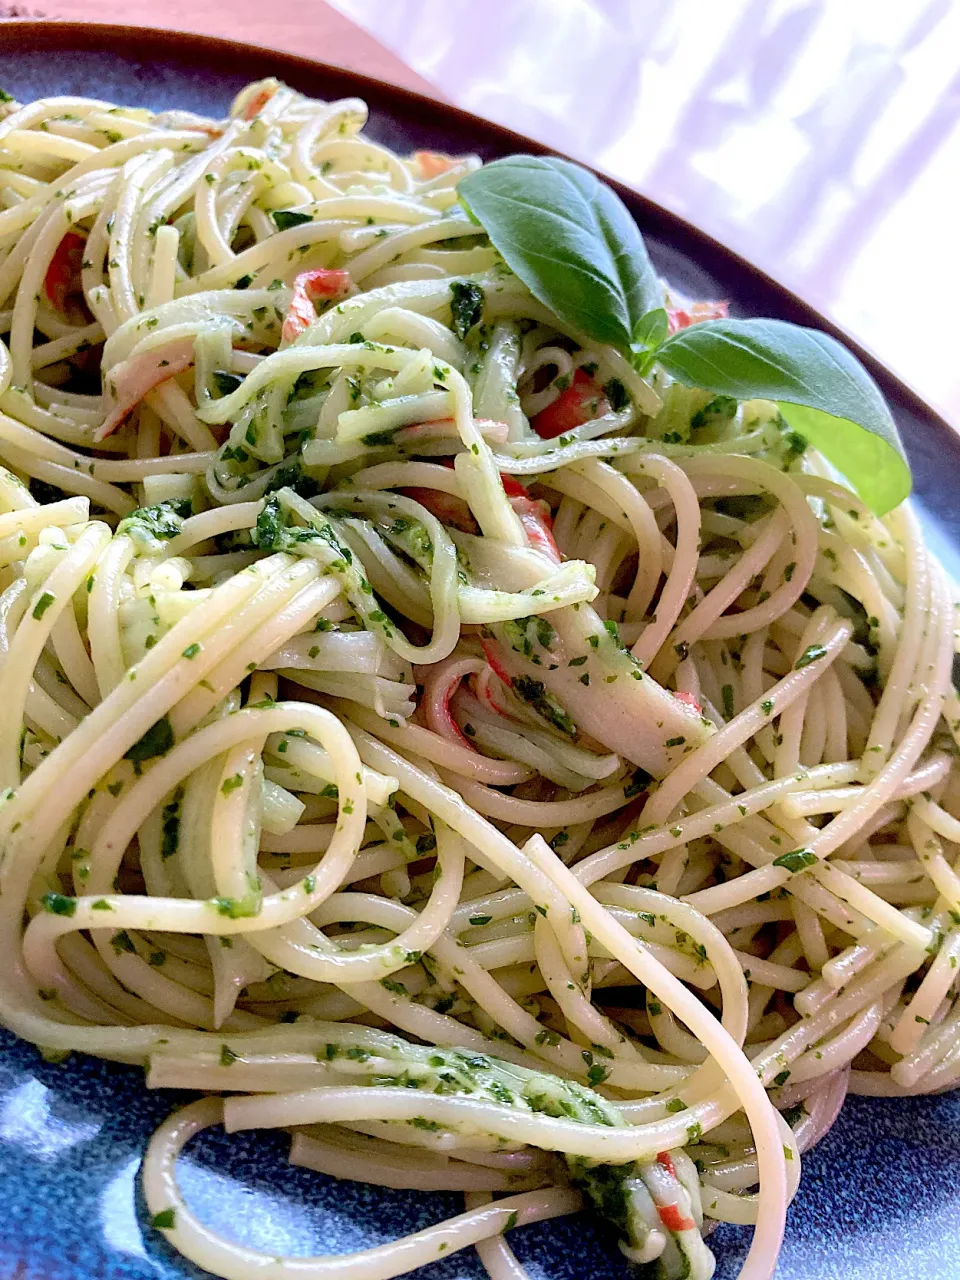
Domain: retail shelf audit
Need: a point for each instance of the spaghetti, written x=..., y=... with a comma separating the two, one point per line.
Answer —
x=509, y=773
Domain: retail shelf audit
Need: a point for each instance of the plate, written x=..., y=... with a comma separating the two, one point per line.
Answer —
x=880, y=1195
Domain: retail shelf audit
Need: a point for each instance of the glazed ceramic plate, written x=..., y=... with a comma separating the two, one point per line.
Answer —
x=880, y=1196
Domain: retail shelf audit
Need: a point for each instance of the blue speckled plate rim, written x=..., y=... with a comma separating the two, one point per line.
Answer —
x=71, y=1136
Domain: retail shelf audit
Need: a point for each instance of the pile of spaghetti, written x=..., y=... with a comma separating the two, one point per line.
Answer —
x=424, y=733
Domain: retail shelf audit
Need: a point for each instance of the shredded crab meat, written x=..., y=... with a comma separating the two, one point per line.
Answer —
x=132, y=379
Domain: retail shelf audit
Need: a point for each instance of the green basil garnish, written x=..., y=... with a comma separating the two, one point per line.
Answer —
x=573, y=243
x=284, y=219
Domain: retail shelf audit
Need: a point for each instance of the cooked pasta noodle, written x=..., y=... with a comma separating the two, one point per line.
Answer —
x=422, y=732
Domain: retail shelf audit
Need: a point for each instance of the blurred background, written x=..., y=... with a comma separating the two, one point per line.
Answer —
x=819, y=138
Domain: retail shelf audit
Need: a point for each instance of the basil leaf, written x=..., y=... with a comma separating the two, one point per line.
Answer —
x=157, y=741
x=225, y=381
x=570, y=239
x=823, y=392
x=648, y=333
x=284, y=219
x=651, y=329
x=466, y=305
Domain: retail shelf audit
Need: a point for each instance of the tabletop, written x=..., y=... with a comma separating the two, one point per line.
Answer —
x=819, y=139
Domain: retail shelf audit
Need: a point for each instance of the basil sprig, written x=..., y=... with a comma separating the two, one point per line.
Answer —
x=573, y=243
